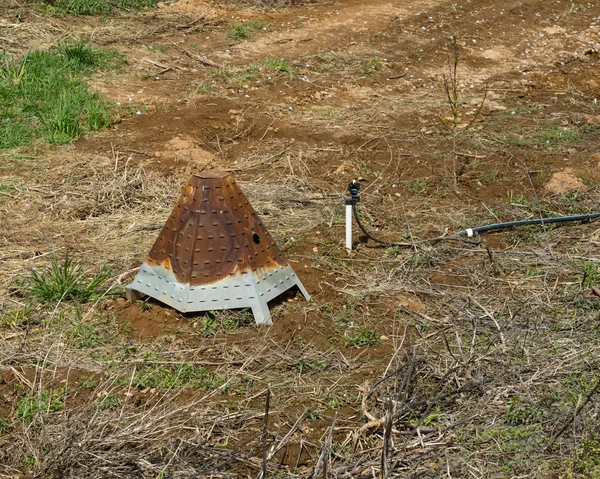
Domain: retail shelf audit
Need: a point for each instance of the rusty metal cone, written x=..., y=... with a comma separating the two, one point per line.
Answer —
x=214, y=253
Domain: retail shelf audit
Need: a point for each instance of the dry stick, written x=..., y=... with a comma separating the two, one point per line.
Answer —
x=323, y=461
x=539, y=207
x=491, y=316
x=205, y=61
x=395, y=77
x=191, y=24
x=387, y=436
x=575, y=414
x=265, y=434
x=267, y=130
x=284, y=440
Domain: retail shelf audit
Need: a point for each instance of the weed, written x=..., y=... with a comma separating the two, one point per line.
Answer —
x=207, y=88
x=35, y=404
x=488, y=177
x=65, y=281
x=575, y=386
x=522, y=413
x=553, y=136
x=241, y=31
x=145, y=304
x=362, y=337
x=108, y=401
x=316, y=415
x=280, y=65
x=306, y=366
x=4, y=426
x=417, y=186
x=374, y=65
x=510, y=439
x=452, y=90
x=432, y=417
x=212, y=324
x=591, y=276
x=586, y=462
x=87, y=382
x=18, y=318
x=159, y=49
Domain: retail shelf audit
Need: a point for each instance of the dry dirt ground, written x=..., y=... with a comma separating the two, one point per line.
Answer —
x=446, y=360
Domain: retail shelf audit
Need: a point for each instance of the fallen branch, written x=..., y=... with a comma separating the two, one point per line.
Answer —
x=205, y=61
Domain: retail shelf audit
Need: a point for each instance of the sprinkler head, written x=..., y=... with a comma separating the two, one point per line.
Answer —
x=354, y=189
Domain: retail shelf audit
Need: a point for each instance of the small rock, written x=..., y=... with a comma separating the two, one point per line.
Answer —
x=554, y=30
x=564, y=181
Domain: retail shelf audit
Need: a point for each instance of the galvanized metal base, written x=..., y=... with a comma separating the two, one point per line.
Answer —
x=249, y=289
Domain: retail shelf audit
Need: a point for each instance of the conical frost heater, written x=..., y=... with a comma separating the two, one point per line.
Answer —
x=214, y=253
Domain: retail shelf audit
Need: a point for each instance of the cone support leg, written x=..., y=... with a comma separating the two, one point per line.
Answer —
x=261, y=313
x=132, y=295
x=303, y=290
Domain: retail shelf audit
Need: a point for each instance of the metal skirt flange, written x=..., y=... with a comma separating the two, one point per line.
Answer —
x=214, y=253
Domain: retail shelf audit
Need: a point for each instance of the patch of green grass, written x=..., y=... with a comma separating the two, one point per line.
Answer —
x=362, y=337
x=548, y=136
x=227, y=76
x=510, y=439
x=35, y=404
x=65, y=280
x=95, y=7
x=374, y=65
x=280, y=65
x=554, y=136
x=44, y=95
x=163, y=377
x=243, y=30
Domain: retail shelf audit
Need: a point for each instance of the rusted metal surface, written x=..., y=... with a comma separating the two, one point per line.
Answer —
x=213, y=232
x=214, y=253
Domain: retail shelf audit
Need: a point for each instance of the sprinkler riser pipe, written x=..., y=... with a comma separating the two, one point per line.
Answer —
x=348, y=226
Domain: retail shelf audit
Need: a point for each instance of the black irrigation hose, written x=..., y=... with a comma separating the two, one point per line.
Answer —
x=540, y=221
x=475, y=232
x=394, y=243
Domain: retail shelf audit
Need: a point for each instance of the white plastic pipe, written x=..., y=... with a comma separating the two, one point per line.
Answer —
x=349, y=227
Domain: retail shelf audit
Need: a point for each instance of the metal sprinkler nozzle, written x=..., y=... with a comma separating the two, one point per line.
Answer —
x=354, y=189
